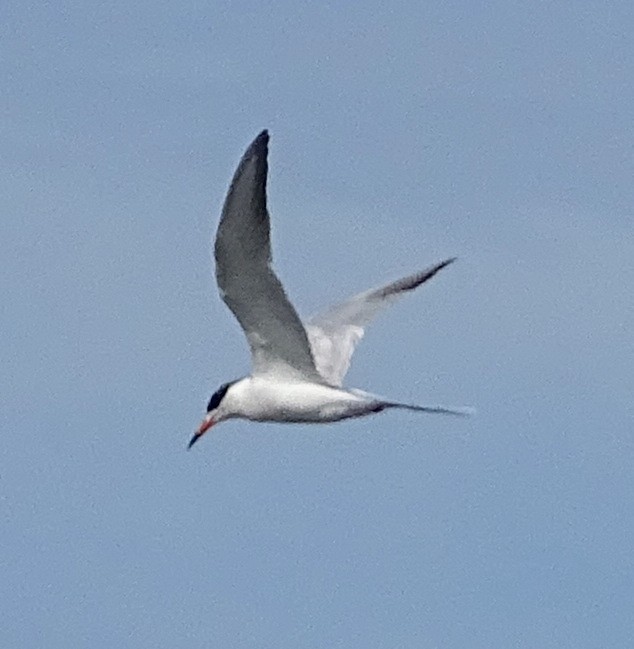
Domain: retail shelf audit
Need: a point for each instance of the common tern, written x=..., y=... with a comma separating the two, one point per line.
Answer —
x=297, y=368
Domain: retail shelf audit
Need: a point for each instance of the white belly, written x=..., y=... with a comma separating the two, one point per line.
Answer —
x=265, y=400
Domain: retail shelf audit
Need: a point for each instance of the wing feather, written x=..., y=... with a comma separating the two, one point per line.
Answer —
x=246, y=280
x=335, y=333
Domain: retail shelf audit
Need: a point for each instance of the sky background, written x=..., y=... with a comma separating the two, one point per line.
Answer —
x=401, y=133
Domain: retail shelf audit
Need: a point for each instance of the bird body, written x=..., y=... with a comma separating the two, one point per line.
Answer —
x=294, y=401
x=298, y=367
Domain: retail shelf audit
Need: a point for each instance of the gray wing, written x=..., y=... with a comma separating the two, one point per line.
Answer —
x=335, y=333
x=247, y=283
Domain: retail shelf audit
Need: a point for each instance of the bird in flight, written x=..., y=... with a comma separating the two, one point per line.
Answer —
x=297, y=367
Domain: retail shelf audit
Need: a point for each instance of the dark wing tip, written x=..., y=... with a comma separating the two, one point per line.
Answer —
x=434, y=269
x=261, y=142
x=258, y=150
x=413, y=281
x=429, y=273
x=440, y=265
x=424, y=275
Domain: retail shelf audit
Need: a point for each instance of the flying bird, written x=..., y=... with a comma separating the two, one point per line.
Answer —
x=297, y=368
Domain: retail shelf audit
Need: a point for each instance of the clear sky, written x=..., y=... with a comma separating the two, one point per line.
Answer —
x=401, y=133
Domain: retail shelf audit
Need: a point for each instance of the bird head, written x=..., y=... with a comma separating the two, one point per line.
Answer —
x=215, y=412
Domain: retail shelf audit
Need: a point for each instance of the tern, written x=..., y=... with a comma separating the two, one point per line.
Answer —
x=297, y=368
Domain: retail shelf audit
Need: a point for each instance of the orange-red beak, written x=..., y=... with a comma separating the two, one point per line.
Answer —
x=202, y=429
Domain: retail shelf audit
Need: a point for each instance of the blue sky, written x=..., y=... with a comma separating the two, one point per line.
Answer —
x=402, y=133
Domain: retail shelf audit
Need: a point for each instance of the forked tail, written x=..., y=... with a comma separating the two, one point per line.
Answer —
x=438, y=410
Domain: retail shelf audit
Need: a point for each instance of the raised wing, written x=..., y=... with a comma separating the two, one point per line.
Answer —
x=247, y=283
x=334, y=334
